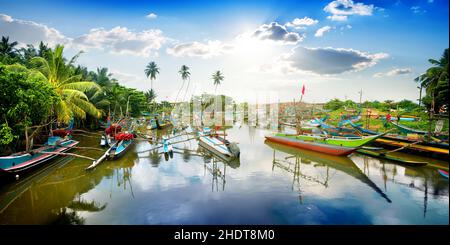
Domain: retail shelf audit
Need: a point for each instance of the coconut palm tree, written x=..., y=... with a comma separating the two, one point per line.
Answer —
x=70, y=88
x=435, y=80
x=150, y=95
x=217, y=78
x=7, y=48
x=185, y=74
x=102, y=77
x=150, y=71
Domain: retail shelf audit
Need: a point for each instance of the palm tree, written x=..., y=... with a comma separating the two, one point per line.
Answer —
x=217, y=78
x=7, y=48
x=150, y=71
x=117, y=97
x=185, y=74
x=102, y=77
x=43, y=49
x=28, y=53
x=70, y=88
x=150, y=95
x=435, y=80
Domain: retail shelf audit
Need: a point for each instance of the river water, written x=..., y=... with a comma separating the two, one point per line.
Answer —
x=271, y=184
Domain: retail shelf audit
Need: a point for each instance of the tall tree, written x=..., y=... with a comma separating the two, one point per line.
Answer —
x=435, y=81
x=217, y=79
x=7, y=48
x=68, y=86
x=150, y=71
x=150, y=95
x=102, y=77
x=185, y=74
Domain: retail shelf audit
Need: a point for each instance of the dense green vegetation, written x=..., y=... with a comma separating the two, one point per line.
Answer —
x=39, y=85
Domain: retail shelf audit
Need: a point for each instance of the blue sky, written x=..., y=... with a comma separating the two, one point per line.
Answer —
x=335, y=48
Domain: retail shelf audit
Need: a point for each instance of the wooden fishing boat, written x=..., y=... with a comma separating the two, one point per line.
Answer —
x=18, y=163
x=407, y=130
x=361, y=129
x=118, y=147
x=338, y=131
x=443, y=173
x=349, y=119
x=430, y=149
x=152, y=124
x=338, y=146
x=391, y=157
x=219, y=146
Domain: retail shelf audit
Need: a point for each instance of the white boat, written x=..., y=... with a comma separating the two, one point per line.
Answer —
x=218, y=145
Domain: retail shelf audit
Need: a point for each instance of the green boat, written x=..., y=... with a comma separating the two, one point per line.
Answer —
x=338, y=146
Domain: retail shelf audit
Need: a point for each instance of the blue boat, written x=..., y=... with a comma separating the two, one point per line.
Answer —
x=361, y=129
x=408, y=130
x=337, y=131
x=118, y=148
x=18, y=163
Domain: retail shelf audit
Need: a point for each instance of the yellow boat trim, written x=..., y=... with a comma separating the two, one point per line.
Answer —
x=417, y=147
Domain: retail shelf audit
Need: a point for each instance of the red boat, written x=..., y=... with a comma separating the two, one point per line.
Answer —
x=313, y=146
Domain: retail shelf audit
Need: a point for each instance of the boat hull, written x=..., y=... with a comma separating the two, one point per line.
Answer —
x=120, y=150
x=214, y=146
x=32, y=161
x=313, y=146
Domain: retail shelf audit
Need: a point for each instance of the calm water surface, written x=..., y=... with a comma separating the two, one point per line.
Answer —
x=271, y=184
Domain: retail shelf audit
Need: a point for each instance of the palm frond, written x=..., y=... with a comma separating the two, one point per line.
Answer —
x=87, y=107
x=81, y=86
x=73, y=93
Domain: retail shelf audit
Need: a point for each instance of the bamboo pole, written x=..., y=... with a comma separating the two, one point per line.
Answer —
x=401, y=148
x=67, y=154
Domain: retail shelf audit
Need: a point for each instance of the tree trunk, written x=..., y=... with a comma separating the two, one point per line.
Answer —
x=182, y=85
x=187, y=88
x=27, y=145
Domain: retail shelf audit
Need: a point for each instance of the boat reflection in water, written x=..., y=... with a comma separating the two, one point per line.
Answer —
x=217, y=167
x=420, y=179
x=54, y=194
x=342, y=164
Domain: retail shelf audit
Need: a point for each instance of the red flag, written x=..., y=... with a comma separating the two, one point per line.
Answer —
x=303, y=89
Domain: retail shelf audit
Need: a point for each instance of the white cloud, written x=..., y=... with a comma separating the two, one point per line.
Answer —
x=337, y=17
x=417, y=10
x=340, y=9
x=151, y=16
x=394, y=72
x=324, y=61
x=29, y=32
x=277, y=33
x=321, y=31
x=300, y=23
x=197, y=49
x=120, y=40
